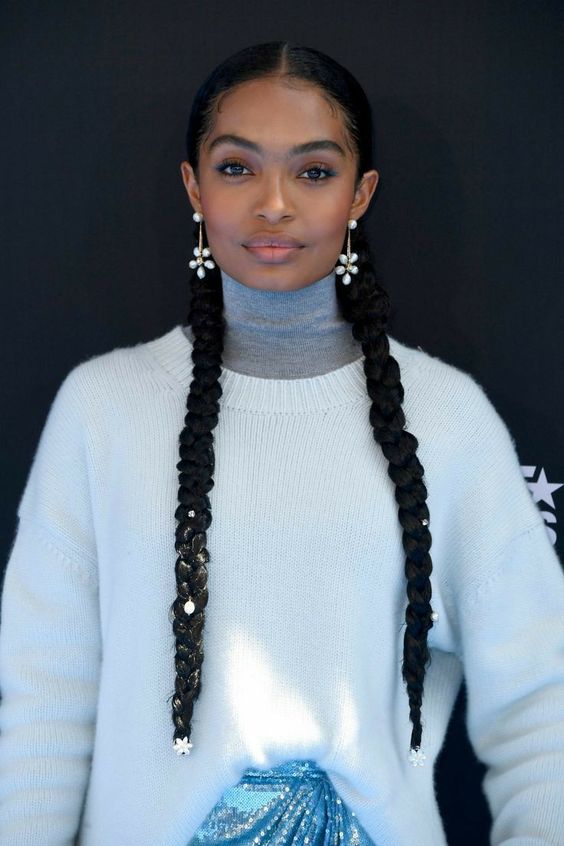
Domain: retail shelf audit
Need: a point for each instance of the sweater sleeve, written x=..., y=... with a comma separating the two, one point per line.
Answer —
x=509, y=605
x=50, y=643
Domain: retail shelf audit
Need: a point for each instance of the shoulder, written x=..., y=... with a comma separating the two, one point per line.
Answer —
x=421, y=368
x=477, y=491
x=116, y=363
x=116, y=366
x=120, y=372
x=443, y=395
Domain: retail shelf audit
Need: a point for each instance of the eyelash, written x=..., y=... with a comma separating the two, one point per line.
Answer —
x=233, y=162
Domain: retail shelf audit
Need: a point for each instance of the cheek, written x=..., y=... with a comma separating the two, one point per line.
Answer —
x=330, y=224
x=330, y=212
x=222, y=229
x=220, y=213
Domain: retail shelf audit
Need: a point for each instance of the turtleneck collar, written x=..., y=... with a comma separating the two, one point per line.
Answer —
x=285, y=334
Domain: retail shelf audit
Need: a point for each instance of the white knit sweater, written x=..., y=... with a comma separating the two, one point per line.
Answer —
x=304, y=625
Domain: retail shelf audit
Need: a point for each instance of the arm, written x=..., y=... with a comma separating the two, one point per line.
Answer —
x=49, y=640
x=509, y=604
x=513, y=654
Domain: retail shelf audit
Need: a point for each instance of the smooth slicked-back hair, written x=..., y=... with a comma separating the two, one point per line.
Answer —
x=363, y=303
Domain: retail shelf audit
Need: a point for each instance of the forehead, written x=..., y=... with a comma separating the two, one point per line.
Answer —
x=277, y=114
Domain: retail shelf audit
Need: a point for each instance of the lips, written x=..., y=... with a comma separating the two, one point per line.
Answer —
x=272, y=241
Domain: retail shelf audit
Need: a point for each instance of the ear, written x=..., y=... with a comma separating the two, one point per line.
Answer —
x=191, y=185
x=364, y=192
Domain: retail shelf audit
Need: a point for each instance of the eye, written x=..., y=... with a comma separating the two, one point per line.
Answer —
x=320, y=169
x=222, y=168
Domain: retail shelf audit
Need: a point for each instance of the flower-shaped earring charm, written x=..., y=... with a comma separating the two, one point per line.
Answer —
x=202, y=253
x=347, y=266
x=181, y=746
x=416, y=757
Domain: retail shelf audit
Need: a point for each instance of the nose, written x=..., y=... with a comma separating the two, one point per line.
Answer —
x=274, y=201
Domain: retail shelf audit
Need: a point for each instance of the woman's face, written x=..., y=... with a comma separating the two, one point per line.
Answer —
x=253, y=186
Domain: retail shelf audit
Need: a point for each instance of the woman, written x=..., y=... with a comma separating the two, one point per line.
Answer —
x=317, y=714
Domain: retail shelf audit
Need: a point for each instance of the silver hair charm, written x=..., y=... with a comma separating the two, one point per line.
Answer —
x=416, y=757
x=202, y=253
x=181, y=746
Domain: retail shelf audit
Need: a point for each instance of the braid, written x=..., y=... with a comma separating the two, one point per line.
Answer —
x=196, y=467
x=366, y=305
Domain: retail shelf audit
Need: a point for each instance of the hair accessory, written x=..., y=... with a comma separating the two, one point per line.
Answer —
x=181, y=746
x=202, y=253
x=347, y=265
x=416, y=757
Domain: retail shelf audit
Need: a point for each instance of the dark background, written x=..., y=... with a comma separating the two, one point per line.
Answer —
x=467, y=223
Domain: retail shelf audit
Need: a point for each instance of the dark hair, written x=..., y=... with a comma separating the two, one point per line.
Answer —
x=366, y=305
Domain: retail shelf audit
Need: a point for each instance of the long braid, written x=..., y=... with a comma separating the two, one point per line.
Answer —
x=366, y=305
x=196, y=467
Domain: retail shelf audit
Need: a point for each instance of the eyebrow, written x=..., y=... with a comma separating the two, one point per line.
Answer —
x=298, y=149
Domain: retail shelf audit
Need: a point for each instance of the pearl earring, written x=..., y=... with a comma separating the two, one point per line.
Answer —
x=202, y=253
x=347, y=265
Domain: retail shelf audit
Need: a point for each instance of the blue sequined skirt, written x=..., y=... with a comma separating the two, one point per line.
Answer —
x=294, y=804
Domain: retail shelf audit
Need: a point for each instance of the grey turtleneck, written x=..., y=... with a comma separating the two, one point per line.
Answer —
x=284, y=334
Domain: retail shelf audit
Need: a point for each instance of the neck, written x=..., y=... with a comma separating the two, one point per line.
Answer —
x=285, y=334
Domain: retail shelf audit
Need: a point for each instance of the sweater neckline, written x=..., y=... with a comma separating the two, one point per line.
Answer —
x=344, y=386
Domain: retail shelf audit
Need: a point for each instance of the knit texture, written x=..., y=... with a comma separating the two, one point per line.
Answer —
x=284, y=334
x=304, y=624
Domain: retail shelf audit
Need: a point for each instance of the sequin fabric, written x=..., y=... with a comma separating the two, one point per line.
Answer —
x=294, y=804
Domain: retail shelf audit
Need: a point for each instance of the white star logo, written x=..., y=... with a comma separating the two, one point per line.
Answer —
x=541, y=488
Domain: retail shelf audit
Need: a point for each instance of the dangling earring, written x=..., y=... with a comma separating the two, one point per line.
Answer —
x=201, y=261
x=347, y=265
